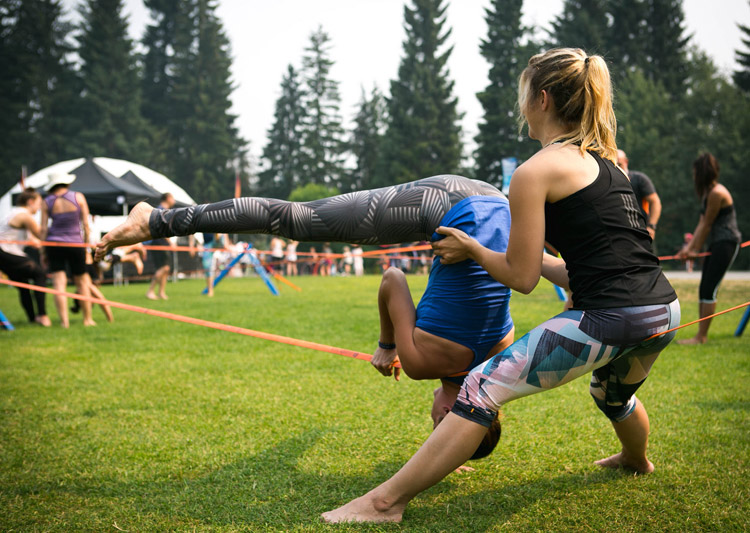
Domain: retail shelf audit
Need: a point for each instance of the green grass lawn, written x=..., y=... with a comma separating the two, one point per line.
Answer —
x=152, y=425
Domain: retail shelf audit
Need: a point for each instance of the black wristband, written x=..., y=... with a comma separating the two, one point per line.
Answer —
x=652, y=226
x=385, y=346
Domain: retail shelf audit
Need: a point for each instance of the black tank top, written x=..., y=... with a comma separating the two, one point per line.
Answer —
x=601, y=234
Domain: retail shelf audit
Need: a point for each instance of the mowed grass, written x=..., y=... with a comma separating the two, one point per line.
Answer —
x=152, y=425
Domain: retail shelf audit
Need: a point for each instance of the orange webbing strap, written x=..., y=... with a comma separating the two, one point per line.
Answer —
x=200, y=322
x=703, y=254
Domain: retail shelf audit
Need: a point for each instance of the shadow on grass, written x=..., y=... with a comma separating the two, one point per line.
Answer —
x=271, y=491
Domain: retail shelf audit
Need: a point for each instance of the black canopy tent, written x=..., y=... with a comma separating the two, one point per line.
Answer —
x=132, y=178
x=106, y=194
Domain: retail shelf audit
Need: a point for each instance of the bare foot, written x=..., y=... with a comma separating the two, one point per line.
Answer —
x=89, y=323
x=133, y=230
x=642, y=466
x=364, y=509
x=43, y=320
x=163, y=296
x=108, y=313
x=692, y=340
x=151, y=296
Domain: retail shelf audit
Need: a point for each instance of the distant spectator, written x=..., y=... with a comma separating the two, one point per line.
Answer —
x=162, y=258
x=277, y=254
x=15, y=263
x=67, y=213
x=645, y=194
x=291, y=258
x=717, y=226
x=359, y=263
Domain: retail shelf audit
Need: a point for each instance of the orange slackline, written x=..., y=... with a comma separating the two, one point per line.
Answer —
x=201, y=322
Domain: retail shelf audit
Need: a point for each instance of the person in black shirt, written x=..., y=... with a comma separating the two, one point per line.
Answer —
x=645, y=193
x=572, y=194
x=717, y=226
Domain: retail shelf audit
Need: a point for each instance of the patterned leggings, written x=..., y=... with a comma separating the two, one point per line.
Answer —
x=390, y=215
x=613, y=343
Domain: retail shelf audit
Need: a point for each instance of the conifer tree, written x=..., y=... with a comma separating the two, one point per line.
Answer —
x=112, y=121
x=38, y=88
x=666, y=44
x=366, y=141
x=741, y=77
x=207, y=145
x=323, y=134
x=157, y=80
x=424, y=134
x=282, y=155
x=505, y=50
x=582, y=24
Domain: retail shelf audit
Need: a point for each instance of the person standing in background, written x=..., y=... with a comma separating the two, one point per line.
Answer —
x=67, y=213
x=645, y=193
x=162, y=258
x=15, y=263
x=717, y=226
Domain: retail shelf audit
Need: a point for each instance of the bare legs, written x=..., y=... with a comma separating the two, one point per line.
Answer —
x=448, y=447
x=160, y=279
x=633, y=435
x=704, y=310
x=83, y=284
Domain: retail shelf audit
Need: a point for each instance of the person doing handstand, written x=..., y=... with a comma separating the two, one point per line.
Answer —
x=463, y=316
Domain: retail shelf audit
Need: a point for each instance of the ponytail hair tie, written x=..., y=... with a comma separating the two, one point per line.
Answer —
x=586, y=61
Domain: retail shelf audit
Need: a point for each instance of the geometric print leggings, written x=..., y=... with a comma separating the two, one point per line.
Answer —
x=613, y=343
x=390, y=215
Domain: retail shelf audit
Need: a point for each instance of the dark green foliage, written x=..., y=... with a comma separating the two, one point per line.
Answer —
x=322, y=134
x=112, y=125
x=282, y=155
x=423, y=136
x=507, y=55
x=742, y=76
x=312, y=191
x=582, y=24
x=38, y=87
x=366, y=141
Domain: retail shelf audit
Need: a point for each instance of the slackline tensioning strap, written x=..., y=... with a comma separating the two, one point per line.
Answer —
x=201, y=322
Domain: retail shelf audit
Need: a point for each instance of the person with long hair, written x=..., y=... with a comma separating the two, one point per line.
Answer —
x=717, y=226
x=572, y=194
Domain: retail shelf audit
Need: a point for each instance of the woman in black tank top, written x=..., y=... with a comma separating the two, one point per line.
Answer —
x=573, y=195
x=717, y=226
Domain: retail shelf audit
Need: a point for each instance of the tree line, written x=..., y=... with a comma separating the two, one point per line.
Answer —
x=71, y=91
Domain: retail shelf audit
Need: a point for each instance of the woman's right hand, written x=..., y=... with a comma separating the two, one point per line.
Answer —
x=384, y=361
x=455, y=247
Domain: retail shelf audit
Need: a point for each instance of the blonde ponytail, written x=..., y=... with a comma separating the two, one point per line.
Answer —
x=582, y=91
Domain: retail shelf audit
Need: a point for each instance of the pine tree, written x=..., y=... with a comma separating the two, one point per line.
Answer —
x=282, y=155
x=112, y=121
x=424, y=134
x=323, y=134
x=665, y=58
x=38, y=89
x=157, y=80
x=742, y=77
x=366, y=141
x=503, y=48
x=582, y=24
x=207, y=145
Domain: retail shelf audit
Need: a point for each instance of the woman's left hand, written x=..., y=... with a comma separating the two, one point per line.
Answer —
x=455, y=247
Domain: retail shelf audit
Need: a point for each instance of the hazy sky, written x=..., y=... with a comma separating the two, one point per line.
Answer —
x=367, y=37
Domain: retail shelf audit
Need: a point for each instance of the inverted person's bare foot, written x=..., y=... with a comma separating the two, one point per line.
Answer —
x=133, y=230
x=151, y=296
x=619, y=460
x=364, y=509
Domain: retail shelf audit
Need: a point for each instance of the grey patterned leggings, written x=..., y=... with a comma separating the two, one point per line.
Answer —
x=390, y=215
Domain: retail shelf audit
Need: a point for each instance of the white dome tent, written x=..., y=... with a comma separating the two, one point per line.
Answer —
x=117, y=168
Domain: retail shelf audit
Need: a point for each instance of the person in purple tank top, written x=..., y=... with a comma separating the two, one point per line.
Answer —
x=64, y=215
